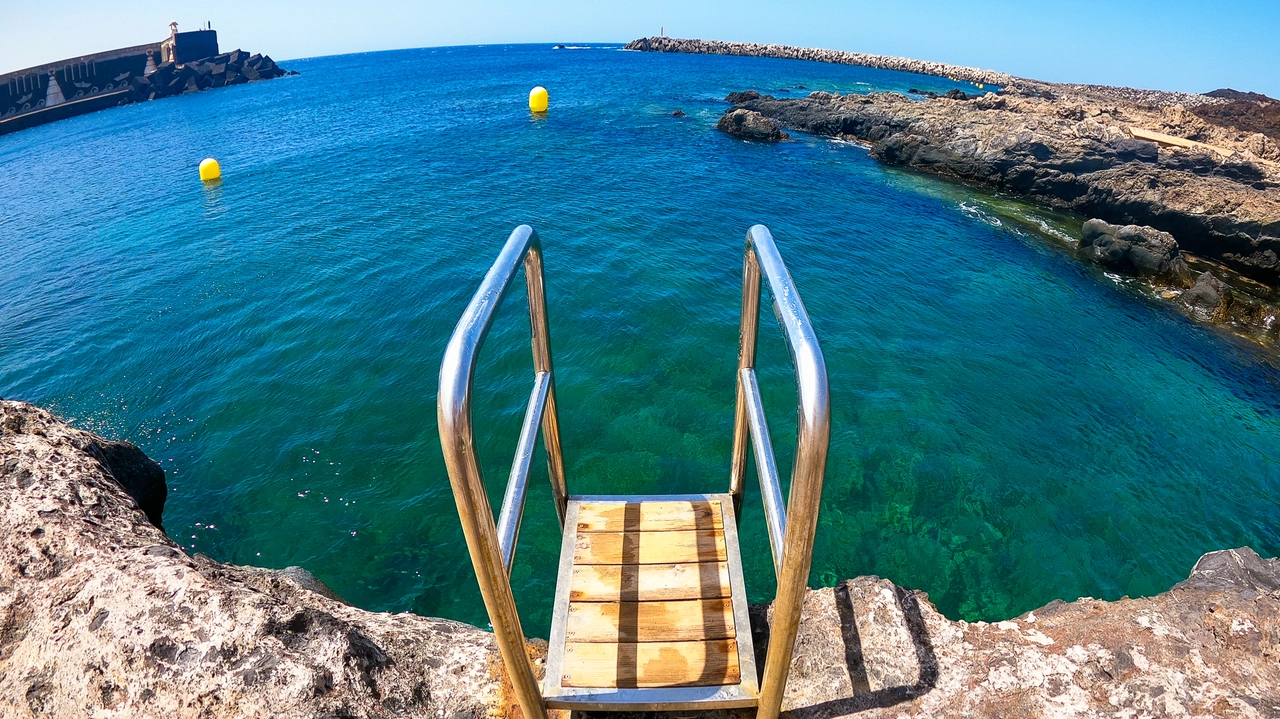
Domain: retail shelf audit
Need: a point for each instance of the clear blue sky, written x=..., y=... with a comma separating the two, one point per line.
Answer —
x=1173, y=45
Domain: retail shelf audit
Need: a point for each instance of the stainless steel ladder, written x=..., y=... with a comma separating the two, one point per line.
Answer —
x=650, y=599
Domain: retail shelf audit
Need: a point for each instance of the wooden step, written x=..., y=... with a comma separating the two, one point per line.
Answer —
x=653, y=664
x=677, y=621
x=649, y=547
x=649, y=582
x=645, y=609
x=649, y=516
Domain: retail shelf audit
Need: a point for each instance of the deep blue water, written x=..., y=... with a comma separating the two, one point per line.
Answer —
x=1009, y=426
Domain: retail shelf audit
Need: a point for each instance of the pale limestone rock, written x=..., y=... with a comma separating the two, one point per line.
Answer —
x=101, y=615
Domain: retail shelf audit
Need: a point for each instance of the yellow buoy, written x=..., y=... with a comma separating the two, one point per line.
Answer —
x=210, y=170
x=538, y=99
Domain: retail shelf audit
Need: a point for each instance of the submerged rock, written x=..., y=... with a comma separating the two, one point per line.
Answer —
x=750, y=125
x=101, y=614
x=1209, y=298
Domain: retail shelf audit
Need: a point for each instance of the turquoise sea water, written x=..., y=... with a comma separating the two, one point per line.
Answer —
x=1009, y=426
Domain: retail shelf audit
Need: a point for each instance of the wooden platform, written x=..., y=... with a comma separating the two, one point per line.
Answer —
x=650, y=608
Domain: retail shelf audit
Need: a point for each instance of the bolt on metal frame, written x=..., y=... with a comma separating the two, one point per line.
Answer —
x=492, y=547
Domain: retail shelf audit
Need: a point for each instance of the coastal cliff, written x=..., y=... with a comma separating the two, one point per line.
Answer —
x=101, y=614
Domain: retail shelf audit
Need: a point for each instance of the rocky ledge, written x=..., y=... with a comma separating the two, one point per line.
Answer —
x=103, y=615
x=1215, y=189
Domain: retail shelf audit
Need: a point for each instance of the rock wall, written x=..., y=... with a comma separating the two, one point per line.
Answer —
x=102, y=615
x=89, y=85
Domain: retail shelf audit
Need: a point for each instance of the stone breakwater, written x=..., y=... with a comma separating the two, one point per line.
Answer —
x=839, y=57
x=232, y=68
x=923, y=67
x=101, y=614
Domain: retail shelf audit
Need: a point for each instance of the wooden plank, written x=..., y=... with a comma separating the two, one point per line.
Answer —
x=654, y=664
x=649, y=547
x=649, y=582
x=649, y=516
x=1176, y=141
x=675, y=621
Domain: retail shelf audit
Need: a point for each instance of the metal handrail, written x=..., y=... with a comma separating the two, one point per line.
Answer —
x=791, y=528
x=492, y=547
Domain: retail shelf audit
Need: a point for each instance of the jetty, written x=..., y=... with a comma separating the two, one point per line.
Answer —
x=182, y=63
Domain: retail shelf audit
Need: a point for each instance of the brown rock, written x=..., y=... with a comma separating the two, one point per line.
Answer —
x=1072, y=152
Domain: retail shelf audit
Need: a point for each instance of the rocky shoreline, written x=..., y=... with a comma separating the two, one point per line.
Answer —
x=1075, y=154
x=1203, y=170
x=1217, y=199
x=101, y=614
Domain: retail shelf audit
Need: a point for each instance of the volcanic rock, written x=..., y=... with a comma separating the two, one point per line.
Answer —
x=1075, y=152
x=1144, y=251
x=1209, y=298
x=101, y=614
x=750, y=125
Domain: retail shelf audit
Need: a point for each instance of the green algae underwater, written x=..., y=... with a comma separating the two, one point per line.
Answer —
x=1009, y=427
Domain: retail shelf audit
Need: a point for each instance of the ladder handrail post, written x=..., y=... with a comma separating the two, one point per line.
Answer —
x=748, y=331
x=457, y=440
x=541, y=341
x=813, y=433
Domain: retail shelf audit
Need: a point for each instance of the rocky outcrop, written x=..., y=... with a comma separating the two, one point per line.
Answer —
x=1209, y=647
x=1143, y=251
x=1073, y=152
x=102, y=615
x=750, y=125
x=1155, y=257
